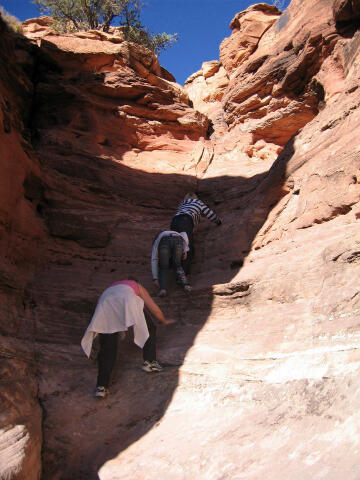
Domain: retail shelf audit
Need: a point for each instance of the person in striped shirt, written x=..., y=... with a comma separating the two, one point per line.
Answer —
x=187, y=217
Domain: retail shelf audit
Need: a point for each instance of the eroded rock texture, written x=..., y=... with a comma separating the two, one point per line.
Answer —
x=21, y=232
x=99, y=146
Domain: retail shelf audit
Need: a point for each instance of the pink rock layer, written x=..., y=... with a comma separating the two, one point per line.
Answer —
x=99, y=145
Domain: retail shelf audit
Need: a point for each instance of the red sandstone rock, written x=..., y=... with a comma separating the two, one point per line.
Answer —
x=346, y=10
x=38, y=27
x=273, y=96
x=355, y=8
x=21, y=232
x=247, y=28
x=21, y=416
x=205, y=89
x=262, y=364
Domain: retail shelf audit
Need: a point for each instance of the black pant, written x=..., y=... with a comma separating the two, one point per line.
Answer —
x=184, y=223
x=108, y=351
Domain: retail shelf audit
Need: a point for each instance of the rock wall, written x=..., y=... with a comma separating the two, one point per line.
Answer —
x=21, y=234
x=260, y=378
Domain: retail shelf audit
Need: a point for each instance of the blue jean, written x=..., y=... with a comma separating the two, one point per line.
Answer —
x=184, y=223
x=170, y=250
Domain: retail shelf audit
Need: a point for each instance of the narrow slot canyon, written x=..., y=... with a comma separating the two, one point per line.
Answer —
x=99, y=146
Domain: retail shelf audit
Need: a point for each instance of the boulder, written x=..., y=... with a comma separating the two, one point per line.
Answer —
x=346, y=11
x=247, y=29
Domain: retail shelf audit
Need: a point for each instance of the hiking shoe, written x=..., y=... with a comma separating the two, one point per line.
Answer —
x=153, y=366
x=180, y=276
x=162, y=293
x=187, y=288
x=101, y=392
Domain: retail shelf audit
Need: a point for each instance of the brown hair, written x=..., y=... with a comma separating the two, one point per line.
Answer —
x=190, y=195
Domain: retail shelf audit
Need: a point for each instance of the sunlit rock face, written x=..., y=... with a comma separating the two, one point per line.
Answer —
x=100, y=145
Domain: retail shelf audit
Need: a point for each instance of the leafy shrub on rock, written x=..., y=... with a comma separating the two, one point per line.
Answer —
x=75, y=15
x=11, y=21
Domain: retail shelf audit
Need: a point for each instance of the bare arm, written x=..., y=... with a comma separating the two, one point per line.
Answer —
x=152, y=306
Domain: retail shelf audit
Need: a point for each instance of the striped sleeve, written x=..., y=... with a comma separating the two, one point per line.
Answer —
x=197, y=208
x=208, y=213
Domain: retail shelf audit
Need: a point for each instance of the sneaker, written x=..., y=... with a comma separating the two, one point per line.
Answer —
x=101, y=392
x=153, y=366
x=187, y=288
x=180, y=276
x=162, y=293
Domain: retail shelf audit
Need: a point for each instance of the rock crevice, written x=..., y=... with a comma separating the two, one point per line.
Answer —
x=99, y=146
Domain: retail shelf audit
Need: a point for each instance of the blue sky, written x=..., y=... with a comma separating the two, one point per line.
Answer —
x=200, y=24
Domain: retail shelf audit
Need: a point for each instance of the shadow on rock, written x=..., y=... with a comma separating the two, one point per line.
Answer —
x=103, y=217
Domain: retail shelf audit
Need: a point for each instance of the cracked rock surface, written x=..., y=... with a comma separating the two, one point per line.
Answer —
x=99, y=147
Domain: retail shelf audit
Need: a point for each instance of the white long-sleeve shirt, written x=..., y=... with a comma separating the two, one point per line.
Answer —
x=154, y=253
x=117, y=309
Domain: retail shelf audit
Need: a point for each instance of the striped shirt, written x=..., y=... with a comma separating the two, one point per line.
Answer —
x=196, y=209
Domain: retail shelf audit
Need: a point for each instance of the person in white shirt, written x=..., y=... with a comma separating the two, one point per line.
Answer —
x=169, y=246
x=122, y=305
